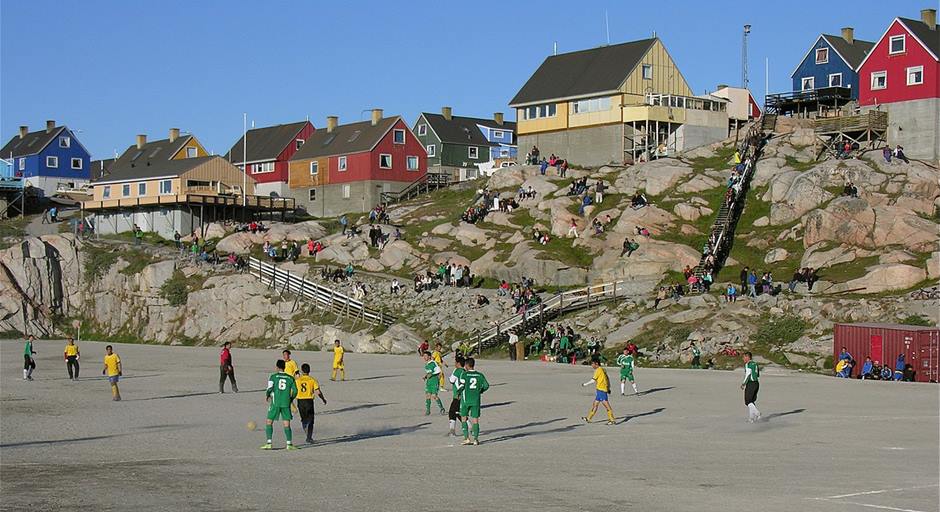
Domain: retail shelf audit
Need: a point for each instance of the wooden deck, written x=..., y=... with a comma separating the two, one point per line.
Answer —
x=872, y=120
x=257, y=203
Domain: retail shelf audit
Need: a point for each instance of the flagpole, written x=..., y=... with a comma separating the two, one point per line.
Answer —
x=244, y=161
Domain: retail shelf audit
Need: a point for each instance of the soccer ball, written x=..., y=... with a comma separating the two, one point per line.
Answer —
x=251, y=426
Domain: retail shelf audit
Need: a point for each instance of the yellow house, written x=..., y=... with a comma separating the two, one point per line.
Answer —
x=614, y=104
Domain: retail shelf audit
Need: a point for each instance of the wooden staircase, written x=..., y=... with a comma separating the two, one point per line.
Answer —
x=430, y=182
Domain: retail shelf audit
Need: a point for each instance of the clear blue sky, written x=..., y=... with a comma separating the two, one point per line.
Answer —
x=113, y=69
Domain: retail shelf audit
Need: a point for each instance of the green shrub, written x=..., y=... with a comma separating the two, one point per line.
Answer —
x=98, y=262
x=916, y=320
x=175, y=290
x=778, y=331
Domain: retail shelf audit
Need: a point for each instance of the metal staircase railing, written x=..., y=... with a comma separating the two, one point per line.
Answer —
x=429, y=182
x=322, y=297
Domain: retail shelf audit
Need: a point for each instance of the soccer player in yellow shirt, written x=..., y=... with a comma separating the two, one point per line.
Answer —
x=307, y=387
x=436, y=356
x=71, y=359
x=602, y=391
x=290, y=366
x=338, y=363
x=112, y=368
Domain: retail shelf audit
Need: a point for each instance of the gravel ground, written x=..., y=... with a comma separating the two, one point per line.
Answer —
x=175, y=444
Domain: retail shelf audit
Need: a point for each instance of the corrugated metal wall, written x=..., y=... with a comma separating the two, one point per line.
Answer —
x=883, y=343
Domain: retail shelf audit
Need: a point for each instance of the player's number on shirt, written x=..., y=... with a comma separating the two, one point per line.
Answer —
x=473, y=383
x=303, y=387
x=282, y=385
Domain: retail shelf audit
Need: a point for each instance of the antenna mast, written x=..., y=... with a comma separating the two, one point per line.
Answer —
x=744, y=80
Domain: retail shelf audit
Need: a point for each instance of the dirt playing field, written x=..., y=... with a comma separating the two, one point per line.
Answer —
x=174, y=443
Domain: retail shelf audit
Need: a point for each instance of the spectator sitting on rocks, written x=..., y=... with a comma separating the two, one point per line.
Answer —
x=850, y=190
x=887, y=153
x=629, y=246
x=886, y=373
x=678, y=291
x=395, y=287
x=638, y=201
x=585, y=202
x=707, y=280
x=598, y=227
x=731, y=293
x=660, y=296
x=642, y=231
x=899, y=154
x=482, y=300
x=349, y=270
x=687, y=271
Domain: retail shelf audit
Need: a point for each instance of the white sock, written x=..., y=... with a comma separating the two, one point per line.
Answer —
x=453, y=424
x=24, y=374
x=621, y=388
x=752, y=411
x=634, y=387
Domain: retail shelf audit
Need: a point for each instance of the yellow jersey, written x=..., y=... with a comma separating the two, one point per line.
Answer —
x=306, y=387
x=436, y=356
x=71, y=350
x=600, y=377
x=112, y=363
x=290, y=367
x=338, y=355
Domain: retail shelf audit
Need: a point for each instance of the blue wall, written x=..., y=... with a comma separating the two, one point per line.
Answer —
x=496, y=152
x=488, y=134
x=821, y=72
x=35, y=165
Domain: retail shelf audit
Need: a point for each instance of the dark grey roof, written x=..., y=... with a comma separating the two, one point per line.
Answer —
x=265, y=143
x=464, y=130
x=156, y=151
x=31, y=144
x=930, y=38
x=345, y=139
x=583, y=73
x=155, y=168
x=100, y=168
x=853, y=53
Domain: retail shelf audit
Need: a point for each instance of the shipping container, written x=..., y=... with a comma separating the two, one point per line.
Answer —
x=883, y=343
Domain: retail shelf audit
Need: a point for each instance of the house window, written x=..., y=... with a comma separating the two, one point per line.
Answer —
x=398, y=136
x=422, y=129
x=809, y=83
x=52, y=162
x=591, y=105
x=385, y=161
x=897, y=44
x=473, y=152
x=65, y=142
x=263, y=167
x=342, y=163
x=106, y=192
x=346, y=192
x=22, y=164
x=412, y=162
x=879, y=80
x=314, y=168
x=312, y=195
x=647, y=72
x=141, y=189
x=915, y=75
x=822, y=55
x=835, y=80
x=298, y=143
x=504, y=153
x=166, y=186
x=191, y=152
x=126, y=190
x=432, y=151
x=76, y=163
x=497, y=134
x=539, y=111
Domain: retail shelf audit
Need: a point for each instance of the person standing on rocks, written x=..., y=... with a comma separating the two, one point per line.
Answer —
x=338, y=363
x=226, y=368
x=751, y=387
x=113, y=370
x=432, y=372
x=29, y=364
x=696, y=356
x=71, y=358
x=344, y=222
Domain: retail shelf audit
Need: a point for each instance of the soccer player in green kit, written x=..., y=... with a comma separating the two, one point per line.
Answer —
x=432, y=384
x=750, y=387
x=474, y=385
x=280, y=393
x=455, y=380
x=626, y=362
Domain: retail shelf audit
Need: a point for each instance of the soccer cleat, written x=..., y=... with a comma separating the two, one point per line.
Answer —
x=443, y=412
x=609, y=422
x=621, y=393
x=466, y=442
x=309, y=441
x=584, y=419
x=476, y=442
x=266, y=446
x=291, y=447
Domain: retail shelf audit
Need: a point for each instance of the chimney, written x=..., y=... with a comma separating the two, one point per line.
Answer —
x=174, y=134
x=141, y=141
x=498, y=117
x=848, y=33
x=331, y=122
x=24, y=130
x=50, y=125
x=446, y=112
x=929, y=17
x=376, y=116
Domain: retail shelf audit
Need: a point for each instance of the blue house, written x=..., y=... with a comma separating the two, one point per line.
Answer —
x=48, y=159
x=502, y=137
x=832, y=61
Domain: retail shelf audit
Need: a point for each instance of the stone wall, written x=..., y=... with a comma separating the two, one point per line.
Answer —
x=593, y=146
x=915, y=125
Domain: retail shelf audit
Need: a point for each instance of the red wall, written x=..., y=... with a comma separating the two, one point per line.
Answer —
x=365, y=166
x=896, y=66
x=919, y=346
x=281, y=165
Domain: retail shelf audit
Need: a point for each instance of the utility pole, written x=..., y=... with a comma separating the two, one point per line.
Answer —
x=244, y=163
x=747, y=30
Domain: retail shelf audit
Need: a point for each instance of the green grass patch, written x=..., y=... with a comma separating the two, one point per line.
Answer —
x=720, y=160
x=137, y=260
x=98, y=261
x=847, y=271
x=799, y=165
x=175, y=290
x=916, y=320
x=561, y=249
x=774, y=332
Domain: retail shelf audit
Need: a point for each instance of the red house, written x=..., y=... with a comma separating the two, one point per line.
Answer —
x=268, y=152
x=901, y=74
x=346, y=168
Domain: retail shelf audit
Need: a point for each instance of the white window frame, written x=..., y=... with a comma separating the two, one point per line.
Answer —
x=498, y=134
x=192, y=152
x=647, y=71
x=432, y=150
x=504, y=153
x=52, y=162
x=900, y=37
x=106, y=192
x=312, y=195
x=169, y=187
x=422, y=129
x=540, y=111
x=142, y=189
x=346, y=190
x=824, y=51
x=65, y=141
x=314, y=168
x=808, y=79
x=262, y=168
x=874, y=78
x=126, y=190
x=80, y=164
x=412, y=158
x=23, y=163
x=915, y=69
x=395, y=133
x=389, y=166
x=298, y=143
x=831, y=76
x=341, y=163
x=473, y=152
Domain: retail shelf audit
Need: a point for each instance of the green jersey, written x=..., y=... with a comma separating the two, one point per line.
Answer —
x=696, y=352
x=28, y=350
x=455, y=380
x=474, y=385
x=431, y=369
x=565, y=343
x=625, y=362
x=751, y=372
x=283, y=388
